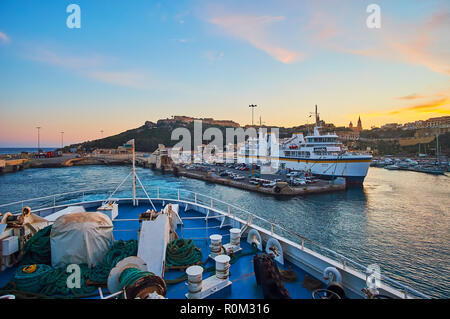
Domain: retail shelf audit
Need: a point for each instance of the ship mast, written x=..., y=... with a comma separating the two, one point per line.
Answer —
x=134, y=173
x=317, y=117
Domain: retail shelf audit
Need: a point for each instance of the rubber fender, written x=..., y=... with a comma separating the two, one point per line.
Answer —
x=337, y=288
x=272, y=242
x=253, y=236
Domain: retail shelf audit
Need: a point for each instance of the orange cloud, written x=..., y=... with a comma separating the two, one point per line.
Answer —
x=253, y=29
x=410, y=97
x=431, y=106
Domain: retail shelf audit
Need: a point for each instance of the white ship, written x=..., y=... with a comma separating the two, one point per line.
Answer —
x=321, y=155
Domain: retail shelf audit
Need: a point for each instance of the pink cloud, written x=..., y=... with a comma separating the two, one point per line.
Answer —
x=420, y=44
x=4, y=38
x=254, y=30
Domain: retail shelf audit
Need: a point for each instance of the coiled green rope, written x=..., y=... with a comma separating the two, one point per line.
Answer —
x=53, y=281
x=130, y=275
x=37, y=250
x=233, y=259
x=181, y=252
x=30, y=281
x=119, y=250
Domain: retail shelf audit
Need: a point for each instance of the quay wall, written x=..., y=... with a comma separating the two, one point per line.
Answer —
x=285, y=189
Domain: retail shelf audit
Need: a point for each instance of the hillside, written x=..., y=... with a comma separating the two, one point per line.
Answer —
x=147, y=137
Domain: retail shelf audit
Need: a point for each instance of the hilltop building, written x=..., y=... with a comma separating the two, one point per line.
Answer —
x=188, y=119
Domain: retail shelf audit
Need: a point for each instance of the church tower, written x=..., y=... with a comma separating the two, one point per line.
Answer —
x=359, y=127
x=350, y=125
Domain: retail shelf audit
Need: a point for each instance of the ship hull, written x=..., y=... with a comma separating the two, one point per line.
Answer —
x=353, y=168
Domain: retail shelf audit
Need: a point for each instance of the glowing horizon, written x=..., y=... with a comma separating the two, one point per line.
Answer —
x=131, y=62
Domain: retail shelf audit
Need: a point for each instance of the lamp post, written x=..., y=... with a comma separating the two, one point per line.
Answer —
x=39, y=138
x=252, y=106
x=62, y=139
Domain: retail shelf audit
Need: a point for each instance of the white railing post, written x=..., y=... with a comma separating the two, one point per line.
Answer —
x=54, y=201
x=157, y=192
x=195, y=198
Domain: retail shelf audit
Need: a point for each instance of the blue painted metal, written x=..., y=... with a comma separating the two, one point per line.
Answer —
x=241, y=273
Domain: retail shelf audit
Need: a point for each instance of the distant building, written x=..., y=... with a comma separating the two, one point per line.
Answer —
x=438, y=122
x=351, y=135
x=150, y=124
x=390, y=126
x=358, y=127
x=187, y=120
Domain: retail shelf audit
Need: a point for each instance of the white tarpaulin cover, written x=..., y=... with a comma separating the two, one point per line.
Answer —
x=80, y=238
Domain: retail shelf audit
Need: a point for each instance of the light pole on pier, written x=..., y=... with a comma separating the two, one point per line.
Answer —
x=39, y=138
x=62, y=139
x=252, y=106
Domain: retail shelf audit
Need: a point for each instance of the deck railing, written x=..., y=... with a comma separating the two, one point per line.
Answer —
x=232, y=211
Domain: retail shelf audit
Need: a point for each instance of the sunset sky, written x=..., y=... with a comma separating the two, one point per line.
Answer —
x=137, y=60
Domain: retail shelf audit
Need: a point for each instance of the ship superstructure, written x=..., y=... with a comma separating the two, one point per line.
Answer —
x=322, y=155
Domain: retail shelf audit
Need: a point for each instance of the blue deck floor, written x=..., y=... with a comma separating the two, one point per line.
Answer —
x=241, y=272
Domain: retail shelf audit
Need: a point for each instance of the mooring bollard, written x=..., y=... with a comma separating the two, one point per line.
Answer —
x=194, y=274
x=235, y=237
x=216, y=244
x=222, y=266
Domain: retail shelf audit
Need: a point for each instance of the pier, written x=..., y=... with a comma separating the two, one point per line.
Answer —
x=321, y=186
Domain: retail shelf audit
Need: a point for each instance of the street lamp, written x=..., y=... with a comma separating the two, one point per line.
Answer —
x=62, y=140
x=252, y=106
x=39, y=138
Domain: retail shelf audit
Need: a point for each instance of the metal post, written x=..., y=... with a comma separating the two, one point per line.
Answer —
x=252, y=106
x=39, y=138
x=157, y=192
x=134, y=174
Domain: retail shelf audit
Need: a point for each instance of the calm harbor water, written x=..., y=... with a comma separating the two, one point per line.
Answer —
x=400, y=220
